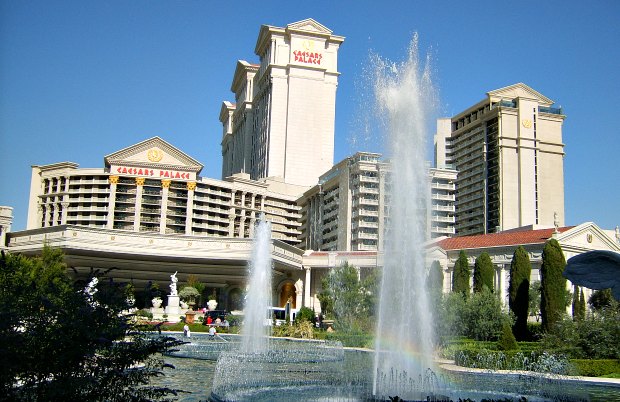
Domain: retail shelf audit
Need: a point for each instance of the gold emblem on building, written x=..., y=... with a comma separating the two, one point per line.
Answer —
x=527, y=123
x=155, y=155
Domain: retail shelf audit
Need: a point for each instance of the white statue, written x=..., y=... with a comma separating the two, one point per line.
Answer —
x=173, y=285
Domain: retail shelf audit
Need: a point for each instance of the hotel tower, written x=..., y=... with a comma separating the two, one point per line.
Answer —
x=282, y=121
x=509, y=155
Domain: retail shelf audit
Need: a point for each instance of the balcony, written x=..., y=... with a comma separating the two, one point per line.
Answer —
x=368, y=201
x=550, y=110
x=445, y=208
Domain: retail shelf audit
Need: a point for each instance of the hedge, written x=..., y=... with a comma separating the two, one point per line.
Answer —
x=596, y=368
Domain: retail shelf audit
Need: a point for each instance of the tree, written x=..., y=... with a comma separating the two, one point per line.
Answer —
x=460, y=279
x=601, y=299
x=192, y=280
x=434, y=280
x=62, y=341
x=348, y=300
x=552, y=285
x=534, y=300
x=575, y=306
x=582, y=305
x=483, y=273
x=189, y=294
x=519, y=290
x=479, y=316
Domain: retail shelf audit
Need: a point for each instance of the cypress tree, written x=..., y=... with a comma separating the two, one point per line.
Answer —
x=483, y=273
x=507, y=339
x=519, y=290
x=552, y=285
x=460, y=279
x=582, y=305
x=575, y=305
x=434, y=280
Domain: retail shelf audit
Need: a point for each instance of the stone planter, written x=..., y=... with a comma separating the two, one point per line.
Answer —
x=212, y=304
x=156, y=302
x=329, y=325
x=190, y=316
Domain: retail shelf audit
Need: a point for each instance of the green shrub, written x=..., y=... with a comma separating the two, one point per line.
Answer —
x=595, y=337
x=178, y=326
x=514, y=360
x=507, y=339
x=534, y=330
x=596, y=368
x=304, y=314
x=234, y=320
x=354, y=340
x=144, y=313
x=301, y=329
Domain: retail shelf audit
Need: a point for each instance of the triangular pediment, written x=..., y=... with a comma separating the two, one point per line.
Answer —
x=586, y=237
x=309, y=25
x=520, y=90
x=154, y=153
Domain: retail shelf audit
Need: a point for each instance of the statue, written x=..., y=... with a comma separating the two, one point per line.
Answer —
x=598, y=269
x=173, y=285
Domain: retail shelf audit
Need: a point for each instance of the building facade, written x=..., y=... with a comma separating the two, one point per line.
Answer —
x=573, y=240
x=282, y=121
x=349, y=208
x=6, y=220
x=154, y=187
x=509, y=155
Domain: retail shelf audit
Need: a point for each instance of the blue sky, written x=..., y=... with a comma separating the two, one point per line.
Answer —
x=82, y=79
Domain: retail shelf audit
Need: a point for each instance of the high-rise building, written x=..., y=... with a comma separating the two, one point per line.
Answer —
x=509, y=155
x=349, y=207
x=154, y=187
x=282, y=121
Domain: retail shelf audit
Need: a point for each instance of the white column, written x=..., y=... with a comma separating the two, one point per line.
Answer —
x=502, y=283
x=138, y=204
x=63, y=216
x=307, y=282
x=231, y=215
x=113, y=180
x=299, y=290
x=191, y=186
x=163, y=212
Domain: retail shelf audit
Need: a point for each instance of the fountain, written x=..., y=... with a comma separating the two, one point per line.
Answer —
x=258, y=299
x=404, y=338
x=262, y=369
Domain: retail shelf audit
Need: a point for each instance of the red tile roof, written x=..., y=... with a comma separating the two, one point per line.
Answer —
x=508, y=238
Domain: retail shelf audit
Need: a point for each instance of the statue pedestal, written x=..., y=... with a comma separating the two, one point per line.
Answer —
x=158, y=313
x=173, y=310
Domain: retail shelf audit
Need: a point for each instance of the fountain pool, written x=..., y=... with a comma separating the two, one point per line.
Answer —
x=346, y=375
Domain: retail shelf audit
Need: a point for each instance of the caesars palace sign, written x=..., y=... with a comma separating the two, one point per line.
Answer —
x=307, y=55
x=154, y=173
